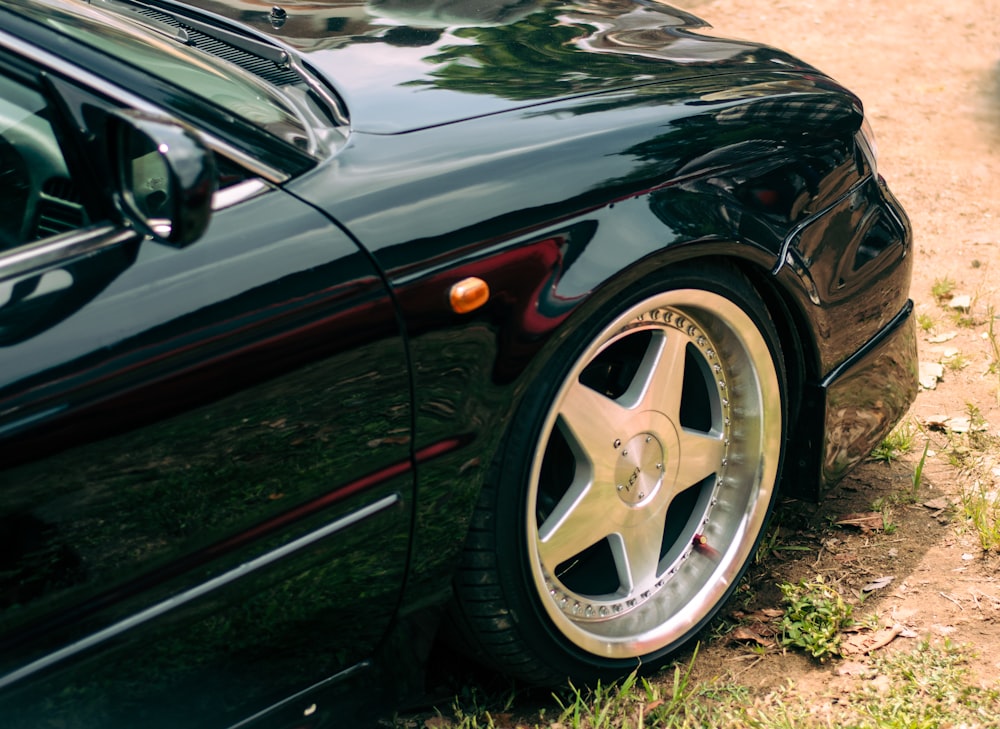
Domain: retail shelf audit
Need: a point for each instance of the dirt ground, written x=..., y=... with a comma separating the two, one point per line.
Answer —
x=928, y=72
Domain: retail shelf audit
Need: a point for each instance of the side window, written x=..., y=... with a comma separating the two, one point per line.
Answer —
x=38, y=197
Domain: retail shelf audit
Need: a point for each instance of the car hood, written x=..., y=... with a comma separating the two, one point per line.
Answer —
x=401, y=65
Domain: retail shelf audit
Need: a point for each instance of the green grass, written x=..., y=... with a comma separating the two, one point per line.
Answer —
x=956, y=361
x=916, y=479
x=991, y=338
x=982, y=510
x=928, y=687
x=898, y=443
x=942, y=289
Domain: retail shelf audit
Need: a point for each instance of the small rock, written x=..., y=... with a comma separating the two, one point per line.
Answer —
x=930, y=373
x=962, y=302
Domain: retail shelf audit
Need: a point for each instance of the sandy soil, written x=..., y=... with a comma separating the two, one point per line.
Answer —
x=928, y=72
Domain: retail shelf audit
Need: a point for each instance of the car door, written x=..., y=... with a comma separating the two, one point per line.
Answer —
x=205, y=478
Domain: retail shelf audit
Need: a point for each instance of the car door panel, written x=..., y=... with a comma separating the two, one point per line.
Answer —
x=197, y=460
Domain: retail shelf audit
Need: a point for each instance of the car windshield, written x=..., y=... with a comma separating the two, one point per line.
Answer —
x=160, y=50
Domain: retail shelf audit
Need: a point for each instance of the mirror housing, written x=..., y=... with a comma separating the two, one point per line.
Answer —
x=165, y=176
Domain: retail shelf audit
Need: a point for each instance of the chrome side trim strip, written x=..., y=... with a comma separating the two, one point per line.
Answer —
x=50, y=251
x=229, y=196
x=194, y=593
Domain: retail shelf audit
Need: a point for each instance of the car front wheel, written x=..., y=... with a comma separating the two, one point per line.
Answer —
x=634, y=486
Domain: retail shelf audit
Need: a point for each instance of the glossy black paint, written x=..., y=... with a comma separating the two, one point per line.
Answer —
x=402, y=65
x=235, y=472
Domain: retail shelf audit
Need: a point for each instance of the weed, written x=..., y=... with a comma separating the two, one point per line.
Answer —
x=771, y=544
x=956, y=361
x=897, y=443
x=982, y=509
x=918, y=474
x=979, y=437
x=888, y=525
x=814, y=616
x=768, y=543
x=942, y=288
x=925, y=322
x=964, y=318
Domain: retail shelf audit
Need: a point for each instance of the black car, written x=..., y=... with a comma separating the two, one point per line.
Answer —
x=330, y=327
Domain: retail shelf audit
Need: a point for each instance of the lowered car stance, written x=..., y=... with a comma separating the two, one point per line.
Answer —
x=331, y=328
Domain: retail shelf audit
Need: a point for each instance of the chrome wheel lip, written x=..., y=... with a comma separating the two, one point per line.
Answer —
x=729, y=514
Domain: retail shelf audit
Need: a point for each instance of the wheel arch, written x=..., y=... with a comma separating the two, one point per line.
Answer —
x=787, y=313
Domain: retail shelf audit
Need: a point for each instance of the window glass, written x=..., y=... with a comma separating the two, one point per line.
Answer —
x=37, y=196
x=151, y=48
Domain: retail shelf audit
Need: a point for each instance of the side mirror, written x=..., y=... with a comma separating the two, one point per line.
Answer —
x=165, y=176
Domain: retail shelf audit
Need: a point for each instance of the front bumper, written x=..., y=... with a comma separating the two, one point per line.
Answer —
x=854, y=408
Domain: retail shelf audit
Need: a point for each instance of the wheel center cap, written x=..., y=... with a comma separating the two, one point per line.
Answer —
x=639, y=469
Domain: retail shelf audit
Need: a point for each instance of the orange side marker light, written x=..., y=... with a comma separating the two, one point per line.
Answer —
x=468, y=295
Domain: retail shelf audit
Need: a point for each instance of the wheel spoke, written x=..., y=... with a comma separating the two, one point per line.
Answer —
x=700, y=456
x=636, y=549
x=658, y=383
x=579, y=520
x=592, y=422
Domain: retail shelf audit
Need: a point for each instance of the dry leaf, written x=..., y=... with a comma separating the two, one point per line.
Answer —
x=937, y=422
x=853, y=668
x=882, y=684
x=746, y=635
x=870, y=521
x=878, y=584
x=862, y=644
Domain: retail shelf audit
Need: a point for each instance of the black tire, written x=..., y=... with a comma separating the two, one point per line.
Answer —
x=634, y=485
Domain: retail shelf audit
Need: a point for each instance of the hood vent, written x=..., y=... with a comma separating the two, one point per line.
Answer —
x=258, y=65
